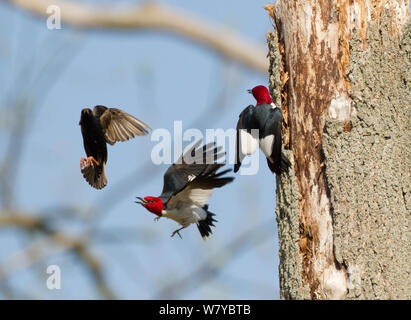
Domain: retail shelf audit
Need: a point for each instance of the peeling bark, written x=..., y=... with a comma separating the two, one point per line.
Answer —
x=319, y=48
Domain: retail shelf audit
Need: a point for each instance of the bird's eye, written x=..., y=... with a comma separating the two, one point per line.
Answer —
x=151, y=201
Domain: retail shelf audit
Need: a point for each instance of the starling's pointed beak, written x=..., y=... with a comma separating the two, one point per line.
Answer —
x=142, y=201
x=250, y=91
x=86, y=111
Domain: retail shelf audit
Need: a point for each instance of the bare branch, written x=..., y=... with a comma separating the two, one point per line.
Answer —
x=53, y=243
x=25, y=107
x=158, y=17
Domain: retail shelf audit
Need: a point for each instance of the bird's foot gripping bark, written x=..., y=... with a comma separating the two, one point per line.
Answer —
x=90, y=161
x=178, y=232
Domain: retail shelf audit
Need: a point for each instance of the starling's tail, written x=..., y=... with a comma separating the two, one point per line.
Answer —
x=204, y=226
x=95, y=175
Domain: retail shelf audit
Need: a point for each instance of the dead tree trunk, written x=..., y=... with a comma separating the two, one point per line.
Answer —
x=341, y=70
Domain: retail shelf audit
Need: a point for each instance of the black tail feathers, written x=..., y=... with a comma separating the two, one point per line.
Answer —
x=95, y=175
x=283, y=165
x=204, y=226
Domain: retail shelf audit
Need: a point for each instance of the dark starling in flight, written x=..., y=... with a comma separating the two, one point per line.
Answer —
x=98, y=127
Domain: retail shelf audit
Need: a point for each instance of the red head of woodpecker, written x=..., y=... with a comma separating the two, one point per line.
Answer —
x=261, y=94
x=187, y=188
x=267, y=119
x=152, y=204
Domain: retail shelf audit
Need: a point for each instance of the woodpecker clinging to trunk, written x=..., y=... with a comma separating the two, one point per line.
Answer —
x=188, y=184
x=98, y=127
x=267, y=118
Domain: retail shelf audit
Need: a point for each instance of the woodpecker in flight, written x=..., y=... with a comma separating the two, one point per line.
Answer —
x=188, y=184
x=267, y=118
x=98, y=127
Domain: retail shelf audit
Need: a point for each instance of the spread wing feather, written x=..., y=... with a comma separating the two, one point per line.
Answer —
x=199, y=190
x=119, y=125
x=196, y=169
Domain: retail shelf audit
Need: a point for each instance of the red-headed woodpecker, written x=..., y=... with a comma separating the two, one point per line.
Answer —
x=267, y=118
x=188, y=184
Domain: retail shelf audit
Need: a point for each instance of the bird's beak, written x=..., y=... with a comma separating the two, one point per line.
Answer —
x=142, y=201
x=250, y=91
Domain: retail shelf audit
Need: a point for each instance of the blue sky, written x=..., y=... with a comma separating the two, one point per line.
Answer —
x=158, y=78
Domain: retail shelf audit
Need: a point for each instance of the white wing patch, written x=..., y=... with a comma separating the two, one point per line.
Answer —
x=200, y=196
x=273, y=106
x=189, y=196
x=248, y=144
x=191, y=177
x=266, y=145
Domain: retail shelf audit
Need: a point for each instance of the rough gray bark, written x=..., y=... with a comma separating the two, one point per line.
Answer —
x=341, y=71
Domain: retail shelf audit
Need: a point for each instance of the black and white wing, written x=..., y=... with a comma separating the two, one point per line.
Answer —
x=119, y=125
x=247, y=140
x=194, y=176
x=271, y=139
x=200, y=189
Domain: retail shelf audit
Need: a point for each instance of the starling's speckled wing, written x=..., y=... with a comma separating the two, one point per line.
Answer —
x=119, y=125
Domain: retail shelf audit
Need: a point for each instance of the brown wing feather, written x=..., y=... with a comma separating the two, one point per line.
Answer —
x=119, y=125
